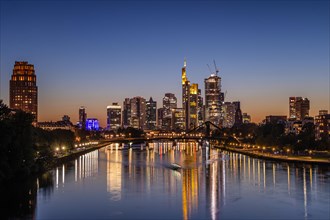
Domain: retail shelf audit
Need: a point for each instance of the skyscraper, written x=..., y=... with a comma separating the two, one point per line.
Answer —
x=213, y=99
x=126, y=113
x=189, y=100
x=193, y=106
x=151, y=111
x=322, y=125
x=160, y=114
x=169, y=103
x=23, y=89
x=185, y=96
x=178, y=119
x=238, y=113
x=113, y=116
x=298, y=108
x=82, y=117
x=229, y=110
x=200, y=109
x=138, y=112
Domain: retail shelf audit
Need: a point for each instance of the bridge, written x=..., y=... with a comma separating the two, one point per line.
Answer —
x=201, y=132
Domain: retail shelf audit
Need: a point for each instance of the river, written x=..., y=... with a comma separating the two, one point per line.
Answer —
x=139, y=184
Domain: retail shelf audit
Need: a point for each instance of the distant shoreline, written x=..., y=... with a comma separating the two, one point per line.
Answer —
x=67, y=158
x=296, y=159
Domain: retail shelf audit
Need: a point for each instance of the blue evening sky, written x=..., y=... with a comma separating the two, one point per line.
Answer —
x=93, y=53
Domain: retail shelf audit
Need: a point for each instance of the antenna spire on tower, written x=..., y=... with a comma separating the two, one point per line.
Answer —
x=185, y=62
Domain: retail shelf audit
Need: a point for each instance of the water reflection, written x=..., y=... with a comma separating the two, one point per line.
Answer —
x=19, y=200
x=114, y=174
x=212, y=184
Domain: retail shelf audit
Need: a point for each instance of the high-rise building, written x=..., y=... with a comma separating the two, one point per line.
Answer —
x=113, y=116
x=292, y=108
x=138, y=112
x=200, y=108
x=232, y=114
x=82, y=117
x=151, y=111
x=23, y=89
x=160, y=114
x=169, y=103
x=189, y=100
x=298, y=108
x=238, y=113
x=185, y=96
x=178, y=119
x=213, y=99
x=229, y=111
x=322, y=125
x=126, y=113
x=193, y=105
x=302, y=106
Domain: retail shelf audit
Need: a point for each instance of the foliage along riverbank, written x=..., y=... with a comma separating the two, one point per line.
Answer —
x=25, y=149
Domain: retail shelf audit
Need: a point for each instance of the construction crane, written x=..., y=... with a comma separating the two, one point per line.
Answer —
x=216, y=68
x=209, y=69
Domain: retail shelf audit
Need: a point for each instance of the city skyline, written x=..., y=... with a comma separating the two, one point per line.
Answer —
x=262, y=63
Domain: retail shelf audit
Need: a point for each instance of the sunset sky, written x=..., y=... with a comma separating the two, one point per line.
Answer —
x=93, y=53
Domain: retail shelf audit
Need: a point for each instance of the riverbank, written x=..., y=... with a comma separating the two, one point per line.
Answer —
x=75, y=154
x=285, y=158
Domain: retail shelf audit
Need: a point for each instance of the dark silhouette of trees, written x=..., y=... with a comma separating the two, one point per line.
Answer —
x=25, y=149
x=273, y=134
x=16, y=150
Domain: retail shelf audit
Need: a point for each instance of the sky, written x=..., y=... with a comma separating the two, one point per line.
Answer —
x=93, y=53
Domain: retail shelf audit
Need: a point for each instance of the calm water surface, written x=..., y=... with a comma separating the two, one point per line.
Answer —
x=212, y=184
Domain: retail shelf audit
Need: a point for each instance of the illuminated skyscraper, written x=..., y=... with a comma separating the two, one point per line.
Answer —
x=229, y=111
x=126, y=113
x=160, y=114
x=23, y=89
x=193, y=105
x=138, y=112
x=213, y=99
x=169, y=103
x=200, y=109
x=151, y=111
x=178, y=119
x=185, y=96
x=113, y=116
x=82, y=117
x=189, y=100
x=298, y=108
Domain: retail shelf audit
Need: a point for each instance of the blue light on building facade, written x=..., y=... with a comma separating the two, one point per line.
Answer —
x=92, y=124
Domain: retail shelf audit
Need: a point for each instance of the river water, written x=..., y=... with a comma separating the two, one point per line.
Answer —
x=139, y=184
